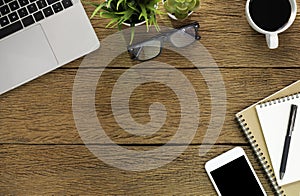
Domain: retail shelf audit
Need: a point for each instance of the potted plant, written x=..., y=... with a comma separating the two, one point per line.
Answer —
x=128, y=12
x=180, y=9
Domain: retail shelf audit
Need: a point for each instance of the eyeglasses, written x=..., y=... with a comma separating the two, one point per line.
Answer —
x=152, y=47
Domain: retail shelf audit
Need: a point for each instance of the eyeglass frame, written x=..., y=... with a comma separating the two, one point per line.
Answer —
x=163, y=38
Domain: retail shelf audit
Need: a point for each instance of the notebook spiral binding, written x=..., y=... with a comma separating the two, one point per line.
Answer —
x=283, y=99
x=260, y=156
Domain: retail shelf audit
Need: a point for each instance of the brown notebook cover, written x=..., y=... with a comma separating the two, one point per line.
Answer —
x=249, y=122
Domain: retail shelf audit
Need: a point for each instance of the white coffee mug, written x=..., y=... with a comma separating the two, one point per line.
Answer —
x=272, y=36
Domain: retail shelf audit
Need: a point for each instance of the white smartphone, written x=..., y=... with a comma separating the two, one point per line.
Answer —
x=231, y=174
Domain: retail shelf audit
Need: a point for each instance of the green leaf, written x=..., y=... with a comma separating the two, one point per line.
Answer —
x=133, y=7
x=97, y=10
x=108, y=15
x=131, y=35
x=128, y=14
x=111, y=23
x=109, y=2
x=144, y=15
x=118, y=4
x=119, y=11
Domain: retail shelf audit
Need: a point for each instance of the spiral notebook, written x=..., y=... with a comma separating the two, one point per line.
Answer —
x=273, y=117
x=248, y=119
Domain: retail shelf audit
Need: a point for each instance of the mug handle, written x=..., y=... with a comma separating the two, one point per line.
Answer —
x=272, y=40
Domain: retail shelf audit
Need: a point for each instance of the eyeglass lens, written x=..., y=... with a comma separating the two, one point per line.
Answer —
x=183, y=37
x=152, y=48
x=149, y=50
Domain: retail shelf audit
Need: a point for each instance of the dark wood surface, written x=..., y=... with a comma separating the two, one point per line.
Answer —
x=41, y=152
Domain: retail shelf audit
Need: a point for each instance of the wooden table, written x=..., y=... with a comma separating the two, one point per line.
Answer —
x=41, y=152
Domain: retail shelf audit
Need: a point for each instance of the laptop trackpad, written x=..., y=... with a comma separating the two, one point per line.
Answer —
x=24, y=57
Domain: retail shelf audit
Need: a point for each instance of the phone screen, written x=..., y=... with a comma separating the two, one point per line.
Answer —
x=236, y=178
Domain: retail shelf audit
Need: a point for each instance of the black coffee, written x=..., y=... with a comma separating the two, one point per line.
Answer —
x=270, y=15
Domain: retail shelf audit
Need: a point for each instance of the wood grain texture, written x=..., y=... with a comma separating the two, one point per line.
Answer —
x=73, y=170
x=47, y=118
x=41, y=152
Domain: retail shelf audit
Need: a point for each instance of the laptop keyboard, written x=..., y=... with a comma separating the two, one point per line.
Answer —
x=18, y=14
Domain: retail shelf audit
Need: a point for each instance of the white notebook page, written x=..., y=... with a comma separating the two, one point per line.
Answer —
x=274, y=121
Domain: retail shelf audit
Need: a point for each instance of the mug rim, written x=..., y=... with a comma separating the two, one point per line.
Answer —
x=281, y=29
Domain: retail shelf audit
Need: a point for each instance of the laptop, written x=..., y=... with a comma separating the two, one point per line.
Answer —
x=38, y=36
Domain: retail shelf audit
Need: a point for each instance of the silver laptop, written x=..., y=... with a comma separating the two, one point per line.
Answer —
x=37, y=36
